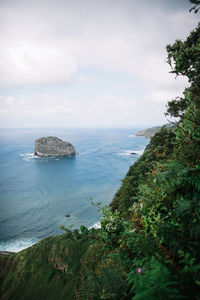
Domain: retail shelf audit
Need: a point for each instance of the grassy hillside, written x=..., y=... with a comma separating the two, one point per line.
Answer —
x=51, y=269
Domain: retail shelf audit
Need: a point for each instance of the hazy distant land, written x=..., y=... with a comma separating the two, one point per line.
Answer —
x=149, y=132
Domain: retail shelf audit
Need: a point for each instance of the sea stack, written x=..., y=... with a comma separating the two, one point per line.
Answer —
x=53, y=146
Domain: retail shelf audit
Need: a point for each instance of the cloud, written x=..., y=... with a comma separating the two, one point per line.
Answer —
x=6, y=104
x=63, y=111
x=86, y=79
x=46, y=44
x=27, y=63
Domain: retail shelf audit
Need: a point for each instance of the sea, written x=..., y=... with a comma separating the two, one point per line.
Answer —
x=36, y=194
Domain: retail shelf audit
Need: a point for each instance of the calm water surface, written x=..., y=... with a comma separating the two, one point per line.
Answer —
x=37, y=193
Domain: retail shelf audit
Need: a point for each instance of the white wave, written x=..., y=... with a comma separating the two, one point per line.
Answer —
x=95, y=225
x=142, y=137
x=130, y=152
x=131, y=135
x=139, y=152
x=137, y=136
x=18, y=245
x=28, y=156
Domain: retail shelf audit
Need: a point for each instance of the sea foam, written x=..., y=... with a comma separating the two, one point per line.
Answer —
x=130, y=152
x=95, y=225
x=17, y=245
x=28, y=156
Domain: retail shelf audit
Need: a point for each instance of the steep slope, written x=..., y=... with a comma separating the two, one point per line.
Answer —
x=160, y=148
x=49, y=269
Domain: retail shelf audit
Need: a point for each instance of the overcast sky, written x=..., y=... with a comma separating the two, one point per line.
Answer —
x=88, y=63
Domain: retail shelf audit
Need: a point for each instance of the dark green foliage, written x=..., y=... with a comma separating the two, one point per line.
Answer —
x=106, y=283
x=183, y=57
x=196, y=7
x=160, y=148
x=176, y=107
x=153, y=282
x=103, y=274
x=160, y=195
x=84, y=230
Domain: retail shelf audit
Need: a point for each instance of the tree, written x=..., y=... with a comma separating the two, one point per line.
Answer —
x=196, y=7
x=184, y=59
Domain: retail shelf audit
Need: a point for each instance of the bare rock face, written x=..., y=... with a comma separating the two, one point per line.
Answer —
x=53, y=146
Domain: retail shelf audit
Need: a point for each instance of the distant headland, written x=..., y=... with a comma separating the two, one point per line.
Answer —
x=53, y=146
x=149, y=132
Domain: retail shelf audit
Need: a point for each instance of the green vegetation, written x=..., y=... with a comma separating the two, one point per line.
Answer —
x=50, y=269
x=148, y=244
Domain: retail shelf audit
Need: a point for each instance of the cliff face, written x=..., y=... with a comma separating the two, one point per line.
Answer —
x=53, y=146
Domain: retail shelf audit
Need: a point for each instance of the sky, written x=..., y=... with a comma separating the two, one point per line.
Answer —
x=89, y=63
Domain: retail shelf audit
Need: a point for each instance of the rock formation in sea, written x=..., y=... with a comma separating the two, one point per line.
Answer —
x=53, y=146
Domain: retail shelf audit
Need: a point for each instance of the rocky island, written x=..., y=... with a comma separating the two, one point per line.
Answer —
x=53, y=146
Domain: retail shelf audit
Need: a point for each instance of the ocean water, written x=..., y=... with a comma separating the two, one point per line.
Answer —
x=37, y=193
